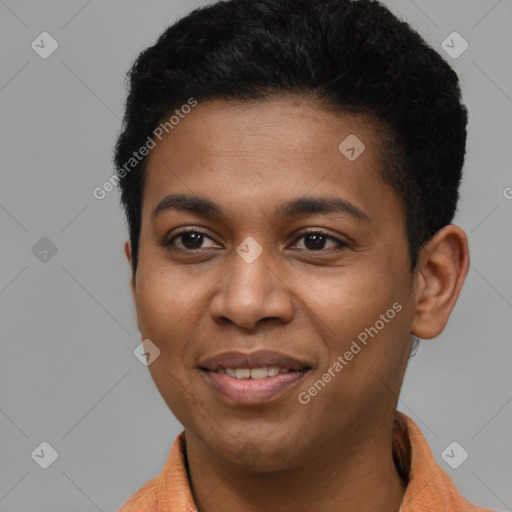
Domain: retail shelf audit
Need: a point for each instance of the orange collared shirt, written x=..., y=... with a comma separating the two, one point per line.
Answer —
x=429, y=487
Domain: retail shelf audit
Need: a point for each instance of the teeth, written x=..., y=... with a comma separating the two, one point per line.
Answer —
x=259, y=373
x=242, y=373
x=254, y=373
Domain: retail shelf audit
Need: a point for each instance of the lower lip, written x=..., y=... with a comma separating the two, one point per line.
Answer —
x=252, y=391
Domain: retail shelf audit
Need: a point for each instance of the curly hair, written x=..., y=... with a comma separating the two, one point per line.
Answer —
x=350, y=55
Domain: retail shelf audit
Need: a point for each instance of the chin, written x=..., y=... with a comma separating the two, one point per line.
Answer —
x=255, y=452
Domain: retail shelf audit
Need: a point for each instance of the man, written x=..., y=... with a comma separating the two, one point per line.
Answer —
x=290, y=171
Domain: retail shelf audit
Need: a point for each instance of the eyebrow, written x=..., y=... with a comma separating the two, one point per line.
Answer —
x=300, y=206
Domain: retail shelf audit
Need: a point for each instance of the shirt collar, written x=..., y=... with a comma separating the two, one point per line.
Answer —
x=429, y=487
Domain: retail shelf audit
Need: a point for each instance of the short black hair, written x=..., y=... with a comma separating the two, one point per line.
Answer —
x=349, y=55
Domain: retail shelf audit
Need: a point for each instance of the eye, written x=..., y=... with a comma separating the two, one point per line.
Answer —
x=316, y=241
x=190, y=240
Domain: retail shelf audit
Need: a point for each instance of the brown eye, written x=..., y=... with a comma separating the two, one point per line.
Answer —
x=317, y=240
x=190, y=240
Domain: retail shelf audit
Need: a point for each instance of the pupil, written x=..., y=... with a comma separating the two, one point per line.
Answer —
x=313, y=241
x=196, y=240
x=317, y=239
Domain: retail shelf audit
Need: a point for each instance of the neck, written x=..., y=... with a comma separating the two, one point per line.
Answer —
x=355, y=476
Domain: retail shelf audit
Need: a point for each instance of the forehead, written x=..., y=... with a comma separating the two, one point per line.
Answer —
x=250, y=154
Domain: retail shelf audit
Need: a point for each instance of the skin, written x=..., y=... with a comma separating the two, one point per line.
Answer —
x=334, y=453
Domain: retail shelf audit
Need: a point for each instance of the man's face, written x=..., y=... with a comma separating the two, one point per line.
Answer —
x=305, y=295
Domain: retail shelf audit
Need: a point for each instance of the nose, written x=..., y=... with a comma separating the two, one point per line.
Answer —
x=253, y=292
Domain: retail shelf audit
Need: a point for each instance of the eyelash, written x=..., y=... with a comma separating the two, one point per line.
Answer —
x=341, y=244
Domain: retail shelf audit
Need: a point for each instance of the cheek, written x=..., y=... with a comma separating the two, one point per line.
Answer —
x=159, y=302
x=348, y=300
x=170, y=307
x=166, y=314
x=362, y=316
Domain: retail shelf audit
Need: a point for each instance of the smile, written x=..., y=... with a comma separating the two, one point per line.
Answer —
x=239, y=386
x=254, y=373
x=252, y=378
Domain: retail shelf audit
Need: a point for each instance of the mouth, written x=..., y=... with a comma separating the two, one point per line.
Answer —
x=252, y=378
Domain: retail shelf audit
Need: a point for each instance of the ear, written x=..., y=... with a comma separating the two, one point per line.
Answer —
x=443, y=264
x=128, y=253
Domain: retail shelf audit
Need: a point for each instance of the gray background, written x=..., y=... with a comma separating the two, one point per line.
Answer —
x=68, y=375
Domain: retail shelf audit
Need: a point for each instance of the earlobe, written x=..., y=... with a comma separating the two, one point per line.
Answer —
x=128, y=251
x=128, y=254
x=443, y=266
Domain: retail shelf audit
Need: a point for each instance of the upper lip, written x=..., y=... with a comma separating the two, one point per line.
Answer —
x=256, y=359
